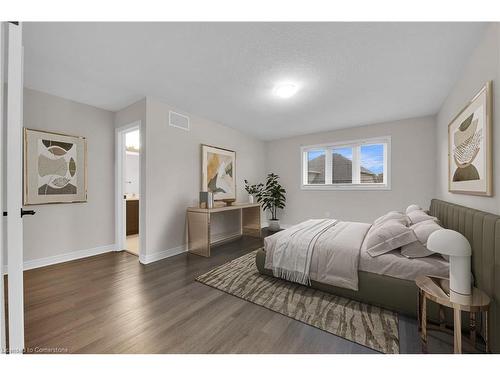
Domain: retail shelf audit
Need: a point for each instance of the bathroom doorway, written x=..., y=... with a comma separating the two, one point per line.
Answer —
x=128, y=188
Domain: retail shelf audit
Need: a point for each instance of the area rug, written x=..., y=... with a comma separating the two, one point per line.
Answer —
x=364, y=324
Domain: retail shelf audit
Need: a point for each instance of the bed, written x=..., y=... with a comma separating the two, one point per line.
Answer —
x=387, y=281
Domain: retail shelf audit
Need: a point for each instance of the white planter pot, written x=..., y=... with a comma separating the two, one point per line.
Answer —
x=274, y=225
x=251, y=199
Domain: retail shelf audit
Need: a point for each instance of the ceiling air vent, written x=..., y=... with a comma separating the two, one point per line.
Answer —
x=178, y=121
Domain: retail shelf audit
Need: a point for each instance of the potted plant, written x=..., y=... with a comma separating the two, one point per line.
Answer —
x=272, y=197
x=252, y=190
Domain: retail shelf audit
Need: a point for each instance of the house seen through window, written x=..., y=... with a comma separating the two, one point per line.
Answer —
x=350, y=165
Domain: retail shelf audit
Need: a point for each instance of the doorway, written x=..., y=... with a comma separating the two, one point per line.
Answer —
x=128, y=150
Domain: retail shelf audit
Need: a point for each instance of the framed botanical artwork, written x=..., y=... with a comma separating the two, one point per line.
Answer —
x=218, y=172
x=469, y=147
x=55, y=168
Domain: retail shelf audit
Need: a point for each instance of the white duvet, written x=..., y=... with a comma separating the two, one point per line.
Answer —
x=324, y=250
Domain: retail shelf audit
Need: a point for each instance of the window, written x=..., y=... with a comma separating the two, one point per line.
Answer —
x=316, y=167
x=362, y=165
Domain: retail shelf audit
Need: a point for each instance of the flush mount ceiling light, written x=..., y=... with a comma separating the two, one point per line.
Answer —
x=285, y=90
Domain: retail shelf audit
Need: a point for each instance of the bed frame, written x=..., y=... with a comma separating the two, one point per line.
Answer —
x=482, y=229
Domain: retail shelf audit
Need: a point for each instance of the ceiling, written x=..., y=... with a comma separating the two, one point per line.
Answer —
x=349, y=74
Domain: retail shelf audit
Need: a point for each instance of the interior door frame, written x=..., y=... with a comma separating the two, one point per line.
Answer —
x=120, y=215
x=3, y=341
x=14, y=188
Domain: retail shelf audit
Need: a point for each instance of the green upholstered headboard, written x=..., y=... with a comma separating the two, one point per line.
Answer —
x=482, y=229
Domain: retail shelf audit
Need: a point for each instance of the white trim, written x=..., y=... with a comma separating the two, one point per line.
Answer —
x=356, y=185
x=159, y=255
x=14, y=188
x=355, y=166
x=145, y=170
x=120, y=153
x=328, y=166
x=387, y=161
x=223, y=237
x=3, y=341
x=67, y=257
x=352, y=142
x=341, y=187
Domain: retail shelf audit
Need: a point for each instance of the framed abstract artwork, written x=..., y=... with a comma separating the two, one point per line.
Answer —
x=55, y=168
x=218, y=172
x=469, y=147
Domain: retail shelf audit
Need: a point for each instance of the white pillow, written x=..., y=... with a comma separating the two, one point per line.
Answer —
x=418, y=215
x=392, y=215
x=422, y=231
x=388, y=236
x=412, y=207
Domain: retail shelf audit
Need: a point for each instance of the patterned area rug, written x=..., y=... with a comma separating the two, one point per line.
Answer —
x=364, y=324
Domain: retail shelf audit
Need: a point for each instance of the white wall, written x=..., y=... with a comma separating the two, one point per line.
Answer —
x=413, y=159
x=132, y=173
x=58, y=229
x=482, y=66
x=174, y=171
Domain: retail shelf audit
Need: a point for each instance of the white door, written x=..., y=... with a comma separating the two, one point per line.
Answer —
x=13, y=191
x=2, y=247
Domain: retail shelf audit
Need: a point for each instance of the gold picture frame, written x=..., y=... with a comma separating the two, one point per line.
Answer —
x=63, y=181
x=470, y=162
x=218, y=172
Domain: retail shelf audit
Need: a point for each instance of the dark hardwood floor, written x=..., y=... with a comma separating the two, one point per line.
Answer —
x=111, y=303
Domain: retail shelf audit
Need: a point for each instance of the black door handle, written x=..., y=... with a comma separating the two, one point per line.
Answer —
x=27, y=212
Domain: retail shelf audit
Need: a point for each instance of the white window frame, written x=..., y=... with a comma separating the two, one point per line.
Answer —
x=356, y=146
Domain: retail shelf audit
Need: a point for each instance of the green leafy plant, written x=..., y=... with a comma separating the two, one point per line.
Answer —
x=253, y=189
x=272, y=195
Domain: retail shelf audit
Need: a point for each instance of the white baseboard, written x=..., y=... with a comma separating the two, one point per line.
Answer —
x=153, y=257
x=159, y=255
x=221, y=237
x=42, y=262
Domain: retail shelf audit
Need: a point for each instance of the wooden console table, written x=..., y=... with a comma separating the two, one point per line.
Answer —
x=199, y=219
